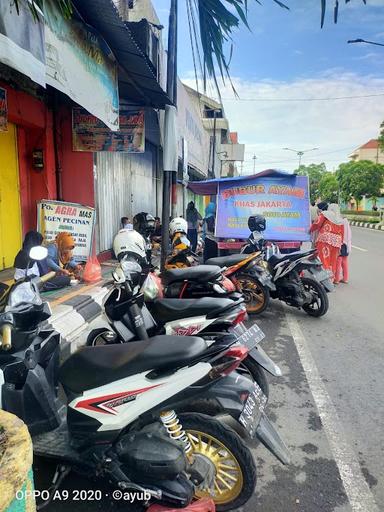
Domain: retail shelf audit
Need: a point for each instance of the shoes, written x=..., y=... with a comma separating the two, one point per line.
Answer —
x=336, y=282
x=345, y=282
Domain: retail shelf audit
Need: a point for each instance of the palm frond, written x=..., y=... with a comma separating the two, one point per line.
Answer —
x=38, y=5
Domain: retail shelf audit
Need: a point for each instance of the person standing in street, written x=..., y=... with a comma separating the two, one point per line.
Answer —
x=193, y=218
x=330, y=232
x=210, y=243
x=342, y=271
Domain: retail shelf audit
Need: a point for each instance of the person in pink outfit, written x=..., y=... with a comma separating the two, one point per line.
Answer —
x=342, y=271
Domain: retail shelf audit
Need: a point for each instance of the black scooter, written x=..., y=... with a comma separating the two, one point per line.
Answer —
x=121, y=421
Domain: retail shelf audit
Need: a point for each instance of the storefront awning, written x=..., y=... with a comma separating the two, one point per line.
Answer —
x=137, y=82
x=209, y=187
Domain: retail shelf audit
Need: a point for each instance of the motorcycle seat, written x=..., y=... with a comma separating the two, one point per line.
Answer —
x=200, y=273
x=227, y=261
x=293, y=256
x=92, y=367
x=166, y=310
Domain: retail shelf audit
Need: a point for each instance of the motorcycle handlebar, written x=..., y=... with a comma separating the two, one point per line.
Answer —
x=47, y=277
x=6, y=333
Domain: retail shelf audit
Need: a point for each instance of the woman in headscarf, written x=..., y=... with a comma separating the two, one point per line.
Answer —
x=24, y=266
x=329, y=228
x=210, y=243
x=60, y=255
x=193, y=218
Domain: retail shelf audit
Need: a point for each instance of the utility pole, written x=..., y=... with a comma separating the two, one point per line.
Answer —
x=168, y=177
x=300, y=153
x=254, y=158
x=214, y=142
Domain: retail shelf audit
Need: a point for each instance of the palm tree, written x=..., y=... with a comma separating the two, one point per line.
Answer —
x=212, y=23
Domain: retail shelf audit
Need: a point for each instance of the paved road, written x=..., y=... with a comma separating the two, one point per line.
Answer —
x=328, y=406
x=331, y=413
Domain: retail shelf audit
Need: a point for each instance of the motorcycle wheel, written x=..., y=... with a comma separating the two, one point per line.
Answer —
x=231, y=460
x=97, y=338
x=250, y=369
x=256, y=296
x=320, y=304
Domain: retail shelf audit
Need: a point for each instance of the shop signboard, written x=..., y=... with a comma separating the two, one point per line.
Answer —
x=76, y=219
x=3, y=111
x=90, y=134
x=284, y=202
x=80, y=64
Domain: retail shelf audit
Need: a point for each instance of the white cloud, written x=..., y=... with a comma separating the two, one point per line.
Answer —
x=335, y=127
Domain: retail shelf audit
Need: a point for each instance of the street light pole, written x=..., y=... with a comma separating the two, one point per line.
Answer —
x=300, y=152
x=351, y=41
x=254, y=158
x=214, y=142
x=168, y=177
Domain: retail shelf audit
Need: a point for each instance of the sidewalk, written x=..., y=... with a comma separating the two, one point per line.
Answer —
x=76, y=310
x=378, y=227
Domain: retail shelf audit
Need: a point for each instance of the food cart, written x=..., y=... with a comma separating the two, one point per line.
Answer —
x=281, y=196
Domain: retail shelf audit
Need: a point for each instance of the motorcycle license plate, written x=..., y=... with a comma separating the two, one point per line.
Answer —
x=248, y=337
x=252, y=410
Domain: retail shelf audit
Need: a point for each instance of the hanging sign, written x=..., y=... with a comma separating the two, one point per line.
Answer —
x=76, y=219
x=3, y=111
x=284, y=202
x=81, y=65
x=90, y=134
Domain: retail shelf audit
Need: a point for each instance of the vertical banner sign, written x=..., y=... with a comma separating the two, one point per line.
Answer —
x=3, y=111
x=284, y=202
x=90, y=134
x=76, y=219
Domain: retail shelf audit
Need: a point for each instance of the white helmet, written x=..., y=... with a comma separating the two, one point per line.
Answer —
x=128, y=241
x=178, y=225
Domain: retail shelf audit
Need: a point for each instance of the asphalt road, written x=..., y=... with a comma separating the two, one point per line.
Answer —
x=328, y=406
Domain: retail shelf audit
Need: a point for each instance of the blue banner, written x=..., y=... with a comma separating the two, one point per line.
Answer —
x=284, y=202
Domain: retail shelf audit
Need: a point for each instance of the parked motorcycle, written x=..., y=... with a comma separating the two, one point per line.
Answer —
x=121, y=415
x=130, y=320
x=298, y=278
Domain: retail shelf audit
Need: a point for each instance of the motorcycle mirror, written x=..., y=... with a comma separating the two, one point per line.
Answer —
x=38, y=253
x=118, y=275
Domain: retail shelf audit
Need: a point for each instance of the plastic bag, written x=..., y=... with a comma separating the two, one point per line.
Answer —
x=152, y=287
x=92, y=270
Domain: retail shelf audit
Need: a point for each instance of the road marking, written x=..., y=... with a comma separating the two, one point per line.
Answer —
x=359, y=248
x=359, y=494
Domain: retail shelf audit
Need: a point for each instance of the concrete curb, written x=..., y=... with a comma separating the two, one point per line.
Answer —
x=76, y=317
x=16, y=466
x=368, y=225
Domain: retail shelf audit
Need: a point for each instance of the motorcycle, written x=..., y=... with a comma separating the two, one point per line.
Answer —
x=211, y=318
x=294, y=278
x=120, y=422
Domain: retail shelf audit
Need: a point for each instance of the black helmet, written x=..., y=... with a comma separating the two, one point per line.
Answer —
x=144, y=223
x=257, y=223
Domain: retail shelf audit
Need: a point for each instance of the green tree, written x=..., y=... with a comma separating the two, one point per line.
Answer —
x=381, y=137
x=357, y=179
x=314, y=173
x=329, y=187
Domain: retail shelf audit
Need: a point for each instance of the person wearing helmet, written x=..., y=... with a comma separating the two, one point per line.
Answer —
x=193, y=219
x=144, y=223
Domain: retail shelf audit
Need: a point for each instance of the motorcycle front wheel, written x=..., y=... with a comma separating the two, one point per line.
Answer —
x=256, y=296
x=233, y=467
x=320, y=303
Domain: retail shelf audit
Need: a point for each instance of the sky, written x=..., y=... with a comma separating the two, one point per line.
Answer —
x=287, y=56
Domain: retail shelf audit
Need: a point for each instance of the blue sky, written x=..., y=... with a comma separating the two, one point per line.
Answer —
x=288, y=56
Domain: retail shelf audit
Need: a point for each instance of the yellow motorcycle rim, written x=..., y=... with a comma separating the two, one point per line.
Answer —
x=228, y=480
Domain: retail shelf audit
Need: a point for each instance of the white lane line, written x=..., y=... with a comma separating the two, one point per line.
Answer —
x=359, y=494
x=359, y=248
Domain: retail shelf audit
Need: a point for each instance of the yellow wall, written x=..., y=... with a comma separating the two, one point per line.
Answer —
x=10, y=216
